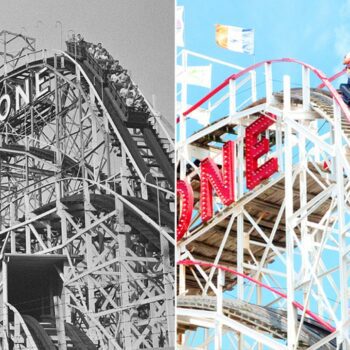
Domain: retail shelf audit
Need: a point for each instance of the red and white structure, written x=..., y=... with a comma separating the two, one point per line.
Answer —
x=263, y=221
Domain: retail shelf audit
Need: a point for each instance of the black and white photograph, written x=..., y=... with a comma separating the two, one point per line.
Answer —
x=87, y=174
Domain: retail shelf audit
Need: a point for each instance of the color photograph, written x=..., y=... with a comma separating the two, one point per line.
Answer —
x=263, y=155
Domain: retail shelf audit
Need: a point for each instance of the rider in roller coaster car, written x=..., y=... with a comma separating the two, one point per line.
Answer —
x=345, y=88
x=80, y=40
x=115, y=73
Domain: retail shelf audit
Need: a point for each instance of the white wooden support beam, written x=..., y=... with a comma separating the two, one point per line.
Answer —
x=306, y=88
x=5, y=316
x=291, y=315
x=61, y=334
x=286, y=94
x=232, y=97
x=268, y=82
x=219, y=305
x=253, y=85
x=182, y=125
x=182, y=279
x=344, y=331
x=169, y=290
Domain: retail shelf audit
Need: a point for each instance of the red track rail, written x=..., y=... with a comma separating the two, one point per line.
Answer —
x=326, y=82
x=318, y=319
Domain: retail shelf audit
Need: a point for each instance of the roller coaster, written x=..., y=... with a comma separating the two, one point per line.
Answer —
x=86, y=207
x=269, y=269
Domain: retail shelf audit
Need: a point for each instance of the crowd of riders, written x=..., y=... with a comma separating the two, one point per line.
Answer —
x=117, y=75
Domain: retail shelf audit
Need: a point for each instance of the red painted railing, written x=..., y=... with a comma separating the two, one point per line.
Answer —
x=326, y=82
x=318, y=319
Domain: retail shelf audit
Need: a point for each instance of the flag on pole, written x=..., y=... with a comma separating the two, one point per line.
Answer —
x=201, y=115
x=235, y=38
x=179, y=26
x=194, y=75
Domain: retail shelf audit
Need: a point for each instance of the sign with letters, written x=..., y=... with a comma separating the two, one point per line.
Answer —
x=222, y=181
x=22, y=96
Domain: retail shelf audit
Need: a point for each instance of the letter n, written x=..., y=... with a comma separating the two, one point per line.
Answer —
x=223, y=182
x=21, y=93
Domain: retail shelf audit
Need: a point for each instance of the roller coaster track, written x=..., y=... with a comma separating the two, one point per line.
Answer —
x=246, y=238
x=140, y=123
x=64, y=196
x=126, y=124
x=45, y=335
x=272, y=321
x=268, y=320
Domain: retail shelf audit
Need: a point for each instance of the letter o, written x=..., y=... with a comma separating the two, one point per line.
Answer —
x=5, y=98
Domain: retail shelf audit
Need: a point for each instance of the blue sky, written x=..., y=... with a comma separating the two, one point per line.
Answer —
x=315, y=32
x=312, y=31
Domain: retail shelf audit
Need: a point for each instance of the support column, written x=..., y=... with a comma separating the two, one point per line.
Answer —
x=169, y=290
x=182, y=123
x=219, y=304
x=268, y=82
x=232, y=97
x=291, y=314
x=240, y=219
x=124, y=280
x=87, y=209
x=341, y=205
x=5, y=318
x=305, y=238
x=59, y=317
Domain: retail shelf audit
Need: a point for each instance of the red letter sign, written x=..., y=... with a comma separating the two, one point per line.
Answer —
x=184, y=190
x=223, y=183
x=255, y=149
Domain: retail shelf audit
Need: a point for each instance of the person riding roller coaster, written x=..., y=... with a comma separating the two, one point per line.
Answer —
x=345, y=88
x=117, y=75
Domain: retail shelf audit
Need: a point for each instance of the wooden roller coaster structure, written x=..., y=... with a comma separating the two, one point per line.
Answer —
x=270, y=269
x=86, y=208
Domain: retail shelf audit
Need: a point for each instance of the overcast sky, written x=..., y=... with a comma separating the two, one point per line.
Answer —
x=140, y=33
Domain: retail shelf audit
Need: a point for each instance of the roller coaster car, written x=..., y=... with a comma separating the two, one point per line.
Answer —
x=134, y=118
x=98, y=68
